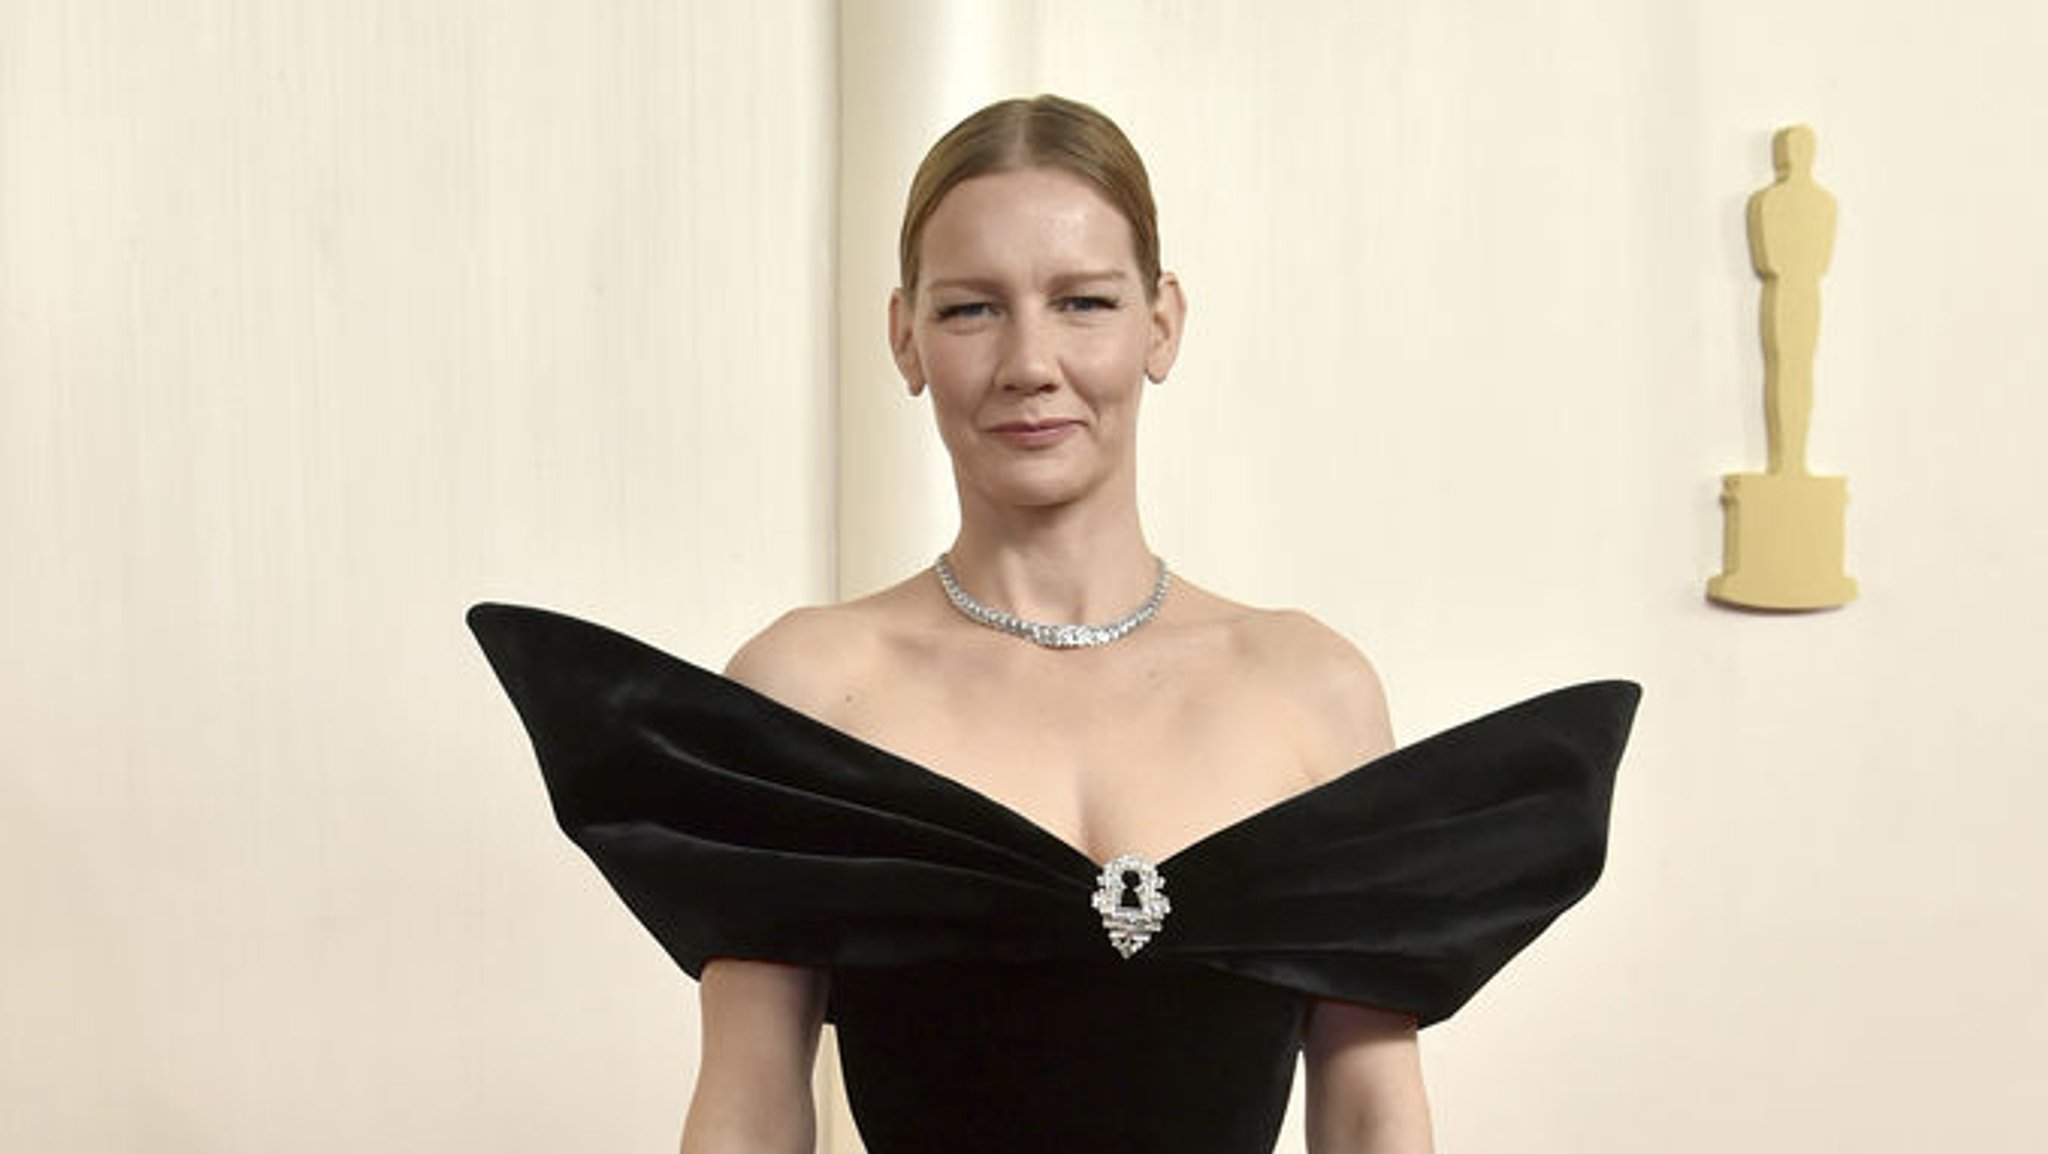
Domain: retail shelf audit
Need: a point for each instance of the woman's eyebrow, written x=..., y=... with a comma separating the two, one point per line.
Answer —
x=1070, y=279
x=963, y=284
x=1058, y=282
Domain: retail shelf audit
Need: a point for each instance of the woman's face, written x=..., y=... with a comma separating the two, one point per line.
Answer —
x=1032, y=329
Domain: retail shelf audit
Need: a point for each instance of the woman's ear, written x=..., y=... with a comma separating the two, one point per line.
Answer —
x=1169, y=316
x=901, y=345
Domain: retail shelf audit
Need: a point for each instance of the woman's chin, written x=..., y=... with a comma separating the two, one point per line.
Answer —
x=1037, y=492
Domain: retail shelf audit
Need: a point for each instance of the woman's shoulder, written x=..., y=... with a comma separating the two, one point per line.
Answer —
x=1307, y=662
x=809, y=657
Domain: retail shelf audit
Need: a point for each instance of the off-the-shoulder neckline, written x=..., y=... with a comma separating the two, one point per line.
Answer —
x=1008, y=813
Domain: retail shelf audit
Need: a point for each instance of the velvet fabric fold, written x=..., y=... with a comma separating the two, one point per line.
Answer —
x=733, y=826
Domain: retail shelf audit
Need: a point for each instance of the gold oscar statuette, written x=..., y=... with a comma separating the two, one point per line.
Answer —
x=1783, y=542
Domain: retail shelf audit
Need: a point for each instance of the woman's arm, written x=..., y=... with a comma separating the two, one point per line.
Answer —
x=759, y=1021
x=1365, y=1092
x=760, y=1024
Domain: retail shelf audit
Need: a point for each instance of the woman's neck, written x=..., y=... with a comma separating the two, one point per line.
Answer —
x=1055, y=565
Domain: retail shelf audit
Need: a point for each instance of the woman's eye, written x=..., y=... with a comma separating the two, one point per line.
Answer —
x=1088, y=304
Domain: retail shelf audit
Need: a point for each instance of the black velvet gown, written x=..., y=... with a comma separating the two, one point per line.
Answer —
x=979, y=1003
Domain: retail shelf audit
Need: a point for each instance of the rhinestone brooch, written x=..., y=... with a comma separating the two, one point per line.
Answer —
x=1130, y=895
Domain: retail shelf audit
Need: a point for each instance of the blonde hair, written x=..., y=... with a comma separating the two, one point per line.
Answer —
x=1039, y=132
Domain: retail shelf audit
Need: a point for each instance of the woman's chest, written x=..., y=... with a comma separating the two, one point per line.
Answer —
x=1144, y=766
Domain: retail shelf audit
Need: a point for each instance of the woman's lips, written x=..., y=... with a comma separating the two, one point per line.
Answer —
x=1035, y=434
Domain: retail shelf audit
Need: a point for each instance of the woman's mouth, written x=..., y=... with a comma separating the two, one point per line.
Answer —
x=1035, y=434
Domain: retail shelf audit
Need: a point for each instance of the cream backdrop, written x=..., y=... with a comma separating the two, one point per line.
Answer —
x=319, y=321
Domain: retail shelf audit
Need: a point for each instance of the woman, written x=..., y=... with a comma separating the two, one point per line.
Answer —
x=976, y=1008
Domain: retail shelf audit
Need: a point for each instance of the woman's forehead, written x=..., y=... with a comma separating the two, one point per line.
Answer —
x=1035, y=216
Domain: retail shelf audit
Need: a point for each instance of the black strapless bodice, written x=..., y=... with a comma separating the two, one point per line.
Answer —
x=1075, y=1055
x=978, y=1001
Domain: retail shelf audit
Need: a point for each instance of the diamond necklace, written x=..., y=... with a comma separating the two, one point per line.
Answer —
x=1041, y=633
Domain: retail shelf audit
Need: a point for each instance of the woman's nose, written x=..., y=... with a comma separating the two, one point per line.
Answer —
x=1029, y=361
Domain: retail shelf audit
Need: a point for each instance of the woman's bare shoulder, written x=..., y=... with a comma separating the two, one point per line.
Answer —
x=812, y=658
x=1313, y=664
